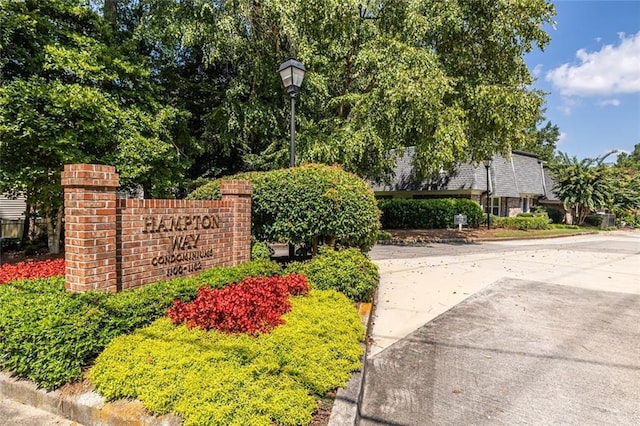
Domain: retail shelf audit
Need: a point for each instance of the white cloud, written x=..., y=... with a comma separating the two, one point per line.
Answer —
x=568, y=104
x=562, y=137
x=611, y=70
x=537, y=70
x=609, y=102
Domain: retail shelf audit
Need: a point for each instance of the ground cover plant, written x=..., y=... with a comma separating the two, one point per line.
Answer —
x=31, y=269
x=253, y=305
x=347, y=271
x=217, y=378
x=48, y=335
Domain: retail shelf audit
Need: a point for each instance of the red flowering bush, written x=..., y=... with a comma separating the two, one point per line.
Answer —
x=253, y=305
x=31, y=269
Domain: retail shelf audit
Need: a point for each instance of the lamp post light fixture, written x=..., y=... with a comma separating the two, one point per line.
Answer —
x=292, y=73
x=487, y=165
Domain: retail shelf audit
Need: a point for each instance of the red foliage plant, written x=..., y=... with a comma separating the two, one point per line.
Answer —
x=253, y=305
x=31, y=269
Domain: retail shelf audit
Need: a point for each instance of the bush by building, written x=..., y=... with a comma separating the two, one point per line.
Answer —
x=428, y=214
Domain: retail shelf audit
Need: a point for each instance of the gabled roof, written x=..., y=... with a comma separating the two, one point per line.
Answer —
x=518, y=175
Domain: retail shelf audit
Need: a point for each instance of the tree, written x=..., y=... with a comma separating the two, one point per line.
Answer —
x=631, y=160
x=586, y=186
x=542, y=140
x=70, y=94
x=448, y=77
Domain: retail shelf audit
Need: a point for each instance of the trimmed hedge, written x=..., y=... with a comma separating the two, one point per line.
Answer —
x=347, y=271
x=220, y=379
x=428, y=214
x=522, y=222
x=308, y=203
x=48, y=335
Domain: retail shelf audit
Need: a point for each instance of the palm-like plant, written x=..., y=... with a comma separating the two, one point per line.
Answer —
x=587, y=185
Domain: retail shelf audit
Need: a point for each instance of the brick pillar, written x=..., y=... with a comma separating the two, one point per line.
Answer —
x=90, y=227
x=239, y=191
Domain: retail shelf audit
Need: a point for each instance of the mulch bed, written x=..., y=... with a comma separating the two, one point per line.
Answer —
x=13, y=257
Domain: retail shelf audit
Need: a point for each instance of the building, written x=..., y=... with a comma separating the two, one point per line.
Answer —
x=517, y=183
x=11, y=216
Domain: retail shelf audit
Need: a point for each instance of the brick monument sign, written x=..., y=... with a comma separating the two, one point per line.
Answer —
x=114, y=244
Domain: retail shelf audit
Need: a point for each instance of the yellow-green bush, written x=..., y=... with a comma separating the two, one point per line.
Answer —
x=211, y=378
x=522, y=222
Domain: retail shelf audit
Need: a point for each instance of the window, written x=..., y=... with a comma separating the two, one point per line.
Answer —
x=526, y=205
x=494, y=206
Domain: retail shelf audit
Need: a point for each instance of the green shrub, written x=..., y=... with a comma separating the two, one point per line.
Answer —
x=593, y=220
x=555, y=215
x=260, y=251
x=312, y=202
x=627, y=218
x=384, y=235
x=220, y=379
x=347, y=271
x=521, y=222
x=49, y=335
x=428, y=214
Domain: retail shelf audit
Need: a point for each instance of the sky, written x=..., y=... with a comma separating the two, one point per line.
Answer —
x=591, y=72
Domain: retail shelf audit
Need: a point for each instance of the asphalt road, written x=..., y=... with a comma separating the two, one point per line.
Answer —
x=510, y=332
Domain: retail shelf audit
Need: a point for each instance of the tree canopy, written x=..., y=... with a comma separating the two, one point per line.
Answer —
x=69, y=93
x=591, y=185
x=164, y=88
x=446, y=76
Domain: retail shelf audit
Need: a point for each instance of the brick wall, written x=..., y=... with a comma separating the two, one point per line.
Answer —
x=148, y=240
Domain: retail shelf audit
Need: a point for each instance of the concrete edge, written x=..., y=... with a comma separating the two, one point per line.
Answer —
x=86, y=408
x=345, y=405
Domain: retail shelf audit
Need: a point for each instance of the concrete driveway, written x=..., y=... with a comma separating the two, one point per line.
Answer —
x=520, y=332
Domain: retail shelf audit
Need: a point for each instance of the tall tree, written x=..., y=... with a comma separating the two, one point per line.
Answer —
x=70, y=94
x=542, y=139
x=446, y=76
x=631, y=160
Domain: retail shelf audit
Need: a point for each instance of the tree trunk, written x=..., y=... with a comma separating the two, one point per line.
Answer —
x=26, y=226
x=53, y=230
x=110, y=11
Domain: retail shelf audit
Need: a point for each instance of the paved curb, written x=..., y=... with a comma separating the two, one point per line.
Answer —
x=87, y=408
x=345, y=406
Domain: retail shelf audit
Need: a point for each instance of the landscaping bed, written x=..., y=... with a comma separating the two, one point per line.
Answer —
x=281, y=372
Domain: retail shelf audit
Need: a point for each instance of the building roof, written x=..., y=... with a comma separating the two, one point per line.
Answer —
x=519, y=175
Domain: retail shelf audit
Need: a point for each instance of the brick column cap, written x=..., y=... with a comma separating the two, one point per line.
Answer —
x=87, y=175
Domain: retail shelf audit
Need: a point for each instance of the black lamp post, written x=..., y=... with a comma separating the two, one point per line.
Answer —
x=292, y=74
x=487, y=165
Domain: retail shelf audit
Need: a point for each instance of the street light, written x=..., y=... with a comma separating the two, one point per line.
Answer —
x=292, y=74
x=487, y=164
